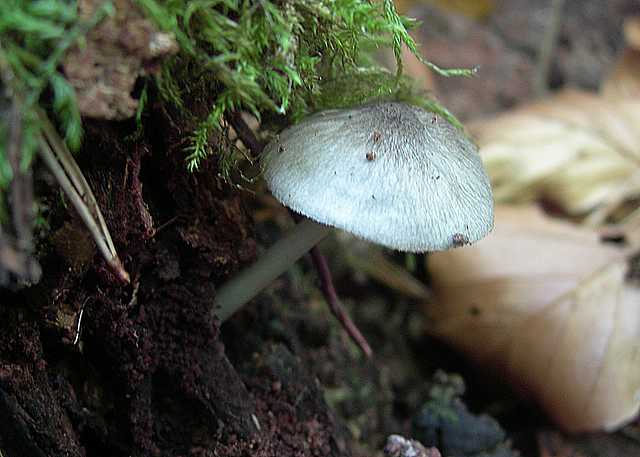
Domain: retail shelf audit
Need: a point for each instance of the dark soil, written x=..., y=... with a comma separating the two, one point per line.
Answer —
x=148, y=374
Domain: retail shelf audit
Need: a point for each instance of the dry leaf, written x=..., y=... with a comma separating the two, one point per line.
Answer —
x=575, y=149
x=579, y=150
x=545, y=304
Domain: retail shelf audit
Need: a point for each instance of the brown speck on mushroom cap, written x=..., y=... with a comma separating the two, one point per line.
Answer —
x=411, y=210
x=459, y=239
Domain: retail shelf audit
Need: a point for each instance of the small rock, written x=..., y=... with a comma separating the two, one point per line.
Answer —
x=399, y=446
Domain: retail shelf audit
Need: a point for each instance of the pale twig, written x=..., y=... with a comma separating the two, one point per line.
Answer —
x=58, y=158
x=236, y=292
x=79, y=322
x=547, y=47
x=61, y=163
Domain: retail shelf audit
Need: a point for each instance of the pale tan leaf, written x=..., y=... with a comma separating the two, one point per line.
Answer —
x=545, y=304
x=578, y=150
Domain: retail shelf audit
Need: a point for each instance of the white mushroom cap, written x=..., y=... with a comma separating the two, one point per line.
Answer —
x=390, y=173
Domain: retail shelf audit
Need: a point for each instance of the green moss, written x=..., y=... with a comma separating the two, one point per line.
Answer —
x=286, y=57
x=34, y=36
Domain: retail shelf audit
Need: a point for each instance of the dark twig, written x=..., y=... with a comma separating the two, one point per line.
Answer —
x=330, y=295
x=547, y=47
x=247, y=136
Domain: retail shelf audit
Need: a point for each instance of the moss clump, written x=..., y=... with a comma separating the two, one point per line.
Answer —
x=287, y=57
x=34, y=36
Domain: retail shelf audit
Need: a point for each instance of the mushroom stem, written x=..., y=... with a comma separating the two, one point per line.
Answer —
x=278, y=258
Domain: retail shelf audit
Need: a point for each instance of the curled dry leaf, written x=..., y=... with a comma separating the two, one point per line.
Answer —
x=545, y=304
x=578, y=150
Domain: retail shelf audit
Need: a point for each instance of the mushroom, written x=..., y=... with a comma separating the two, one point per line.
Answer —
x=391, y=173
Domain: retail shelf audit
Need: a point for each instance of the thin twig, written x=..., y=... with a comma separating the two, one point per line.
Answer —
x=547, y=47
x=245, y=134
x=58, y=158
x=331, y=297
x=80, y=183
x=252, y=143
x=79, y=322
x=61, y=163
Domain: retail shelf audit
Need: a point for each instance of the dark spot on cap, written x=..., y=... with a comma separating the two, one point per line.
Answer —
x=458, y=239
x=373, y=196
x=474, y=310
x=434, y=119
x=371, y=156
x=376, y=136
x=280, y=149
